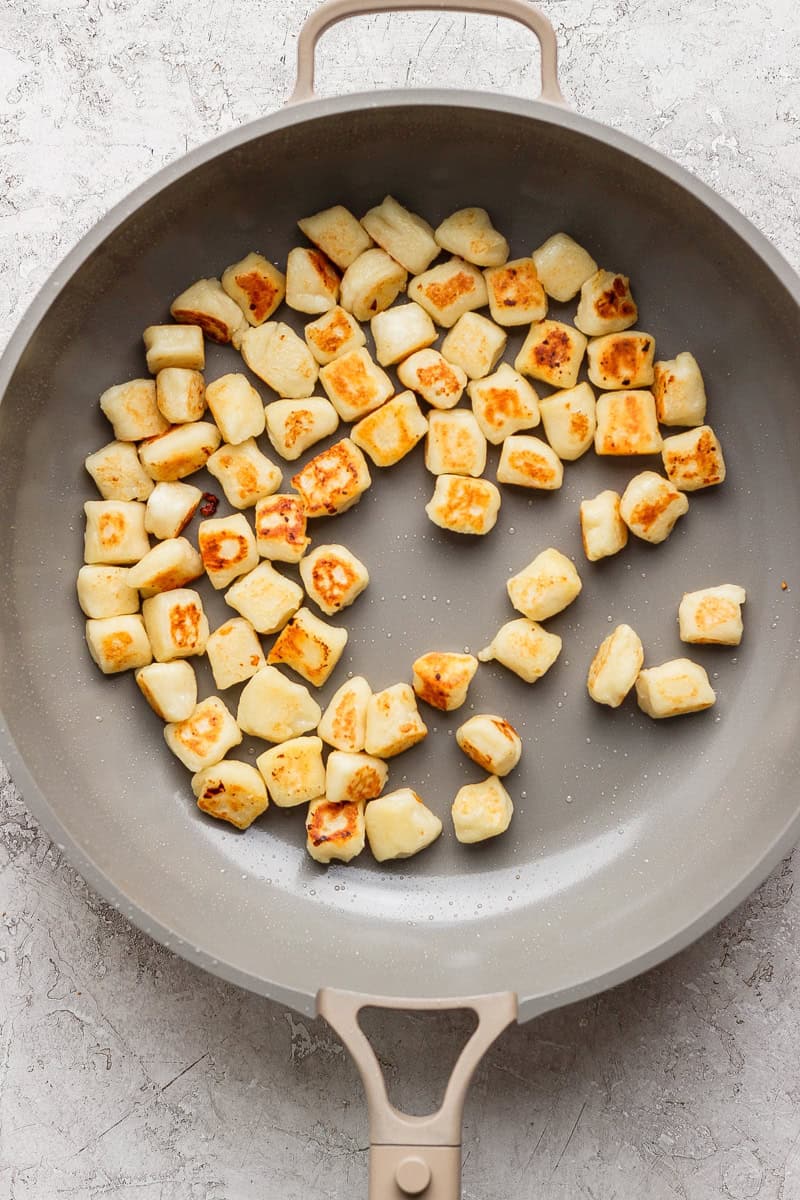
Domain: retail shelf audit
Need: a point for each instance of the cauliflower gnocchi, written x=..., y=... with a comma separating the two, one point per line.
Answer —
x=621, y=360
x=679, y=391
x=275, y=709
x=132, y=410
x=352, y=777
x=309, y=645
x=393, y=722
x=234, y=653
x=176, y=624
x=344, y=722
x=674, y=689
x=205, y=736
x=276, y=354
x=207, y=304
x=180, y=395
x=399, y=825
x=563, y=266
x=281, y=528
x=481, y=810
x=227, y=547
x=693, y=460
x=449, y=290
x=231, y=791
x=174, y=346
x=312, y=283
x=335, y=333
x=606, y=305
x=169, y=688
x=170, y=508
x=181, y=451
x=524, y=648
x=552, y=352
x=475, y=344
x=442, y=678
x=392, y=431
x=115, y=532
x=118, y=473
x=651, y=505
x=236, y=407
x=455, y=444
x=333, y=481
x=712, y=616
x=293, y=771
x=104, y=591
x=400, y=331
x=355, y=384
x=490, y=741
x=463, y=505
x=371, y=284
x=545, y=587
x=469, y=233
x=295, y=425
x=118, y=643
x=615, y=667
x=570, y=420
x=256, y=285
x=170, y=564
x=516, y=295
x=529, y=462
x=432, y=377
x=333, y=577
x=503, y=403
x=335, y=831
x=338, y=234
x=265, y=598
x=406, y=236
x=245, y=473
x=627, y=424
x=603, y=530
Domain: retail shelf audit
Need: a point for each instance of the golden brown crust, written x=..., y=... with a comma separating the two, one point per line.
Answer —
x=346, y=814
x=443, y=295
x=616, y=301
x=216, y=549
x=260, y=291
x=212, y=327
x=534, y=467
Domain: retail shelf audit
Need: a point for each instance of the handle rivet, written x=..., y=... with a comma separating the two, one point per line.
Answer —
x=413, y=1176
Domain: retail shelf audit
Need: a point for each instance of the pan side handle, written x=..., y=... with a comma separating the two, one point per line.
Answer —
x=415, y=1156
x=330, y=12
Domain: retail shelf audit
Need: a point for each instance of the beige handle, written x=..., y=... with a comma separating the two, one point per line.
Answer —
x=330, y=12
x=415, y=1156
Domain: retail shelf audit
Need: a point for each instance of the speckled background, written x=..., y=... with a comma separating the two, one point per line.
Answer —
x=127, y=1073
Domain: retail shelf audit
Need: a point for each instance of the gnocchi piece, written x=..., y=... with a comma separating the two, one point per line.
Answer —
x=351, y=777
x=712, y=616
x=503, y=403
x=606, y=304
x=406, y=236
x=333, y=481
x=392, y=431
x=205, y=736
x=132, y=410
x=333, y=577
x=570, y=420
x=651, y=505
x=470, y=234
x=169, y=688
x=344, y=722
x=547, y=586
x=234, y=653
x=207, y=304
x=115, y=532
x=295, y=425
x=335, y=831
x=275, y=709
x=174, y=346
x=433, y=378
x=170, y=508
x=105, y=592
x=516, y=296
x=245, y=473
x=524, y=648
x=552, y=352
x=256, y=285
x=170, y=564
x=603, y=530
x=281, y=528
x=481, y=811
x=371, y=283
x=693, y=460
x=236, y=407
x=399, y=825
x=180, y=395
x=621, y=360
x=228, y=549
x=401, y=331
x=181, y=451
x=449, y=290
x=231, y=791
x=265, y=598
x=312, y=283
x=275, y=353
x=615, y=667
x=355, y=384
x=293, y=771
x=455, y=444
x=627, y=424
x=475, y=344
x=176, y=624
x=117, y=472
x=468, y=506
x=442, y=678
x=335, y=333
x=118, y=643
x=393, y=722
x=679, y=391
x=338, y=234
x=309, y=646
x=490, y=741
x=563, y=266
x=529, y=462
x=674, y=689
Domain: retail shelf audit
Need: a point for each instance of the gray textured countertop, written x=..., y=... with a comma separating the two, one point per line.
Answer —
x=127, y=1073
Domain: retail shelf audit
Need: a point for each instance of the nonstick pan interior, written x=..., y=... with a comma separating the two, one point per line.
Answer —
x=628, y=834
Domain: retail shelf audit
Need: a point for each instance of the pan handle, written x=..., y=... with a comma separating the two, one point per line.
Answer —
x=415, y=1156
x=330, y=12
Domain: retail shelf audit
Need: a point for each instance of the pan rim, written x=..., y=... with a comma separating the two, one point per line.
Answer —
x=284, y=118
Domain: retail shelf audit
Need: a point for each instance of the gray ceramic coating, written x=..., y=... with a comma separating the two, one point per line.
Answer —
x=630, y=837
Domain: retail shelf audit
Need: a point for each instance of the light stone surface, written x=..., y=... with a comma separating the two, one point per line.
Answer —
x=124, y=1071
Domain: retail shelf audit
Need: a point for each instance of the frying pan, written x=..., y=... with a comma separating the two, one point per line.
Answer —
x=630, y=837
